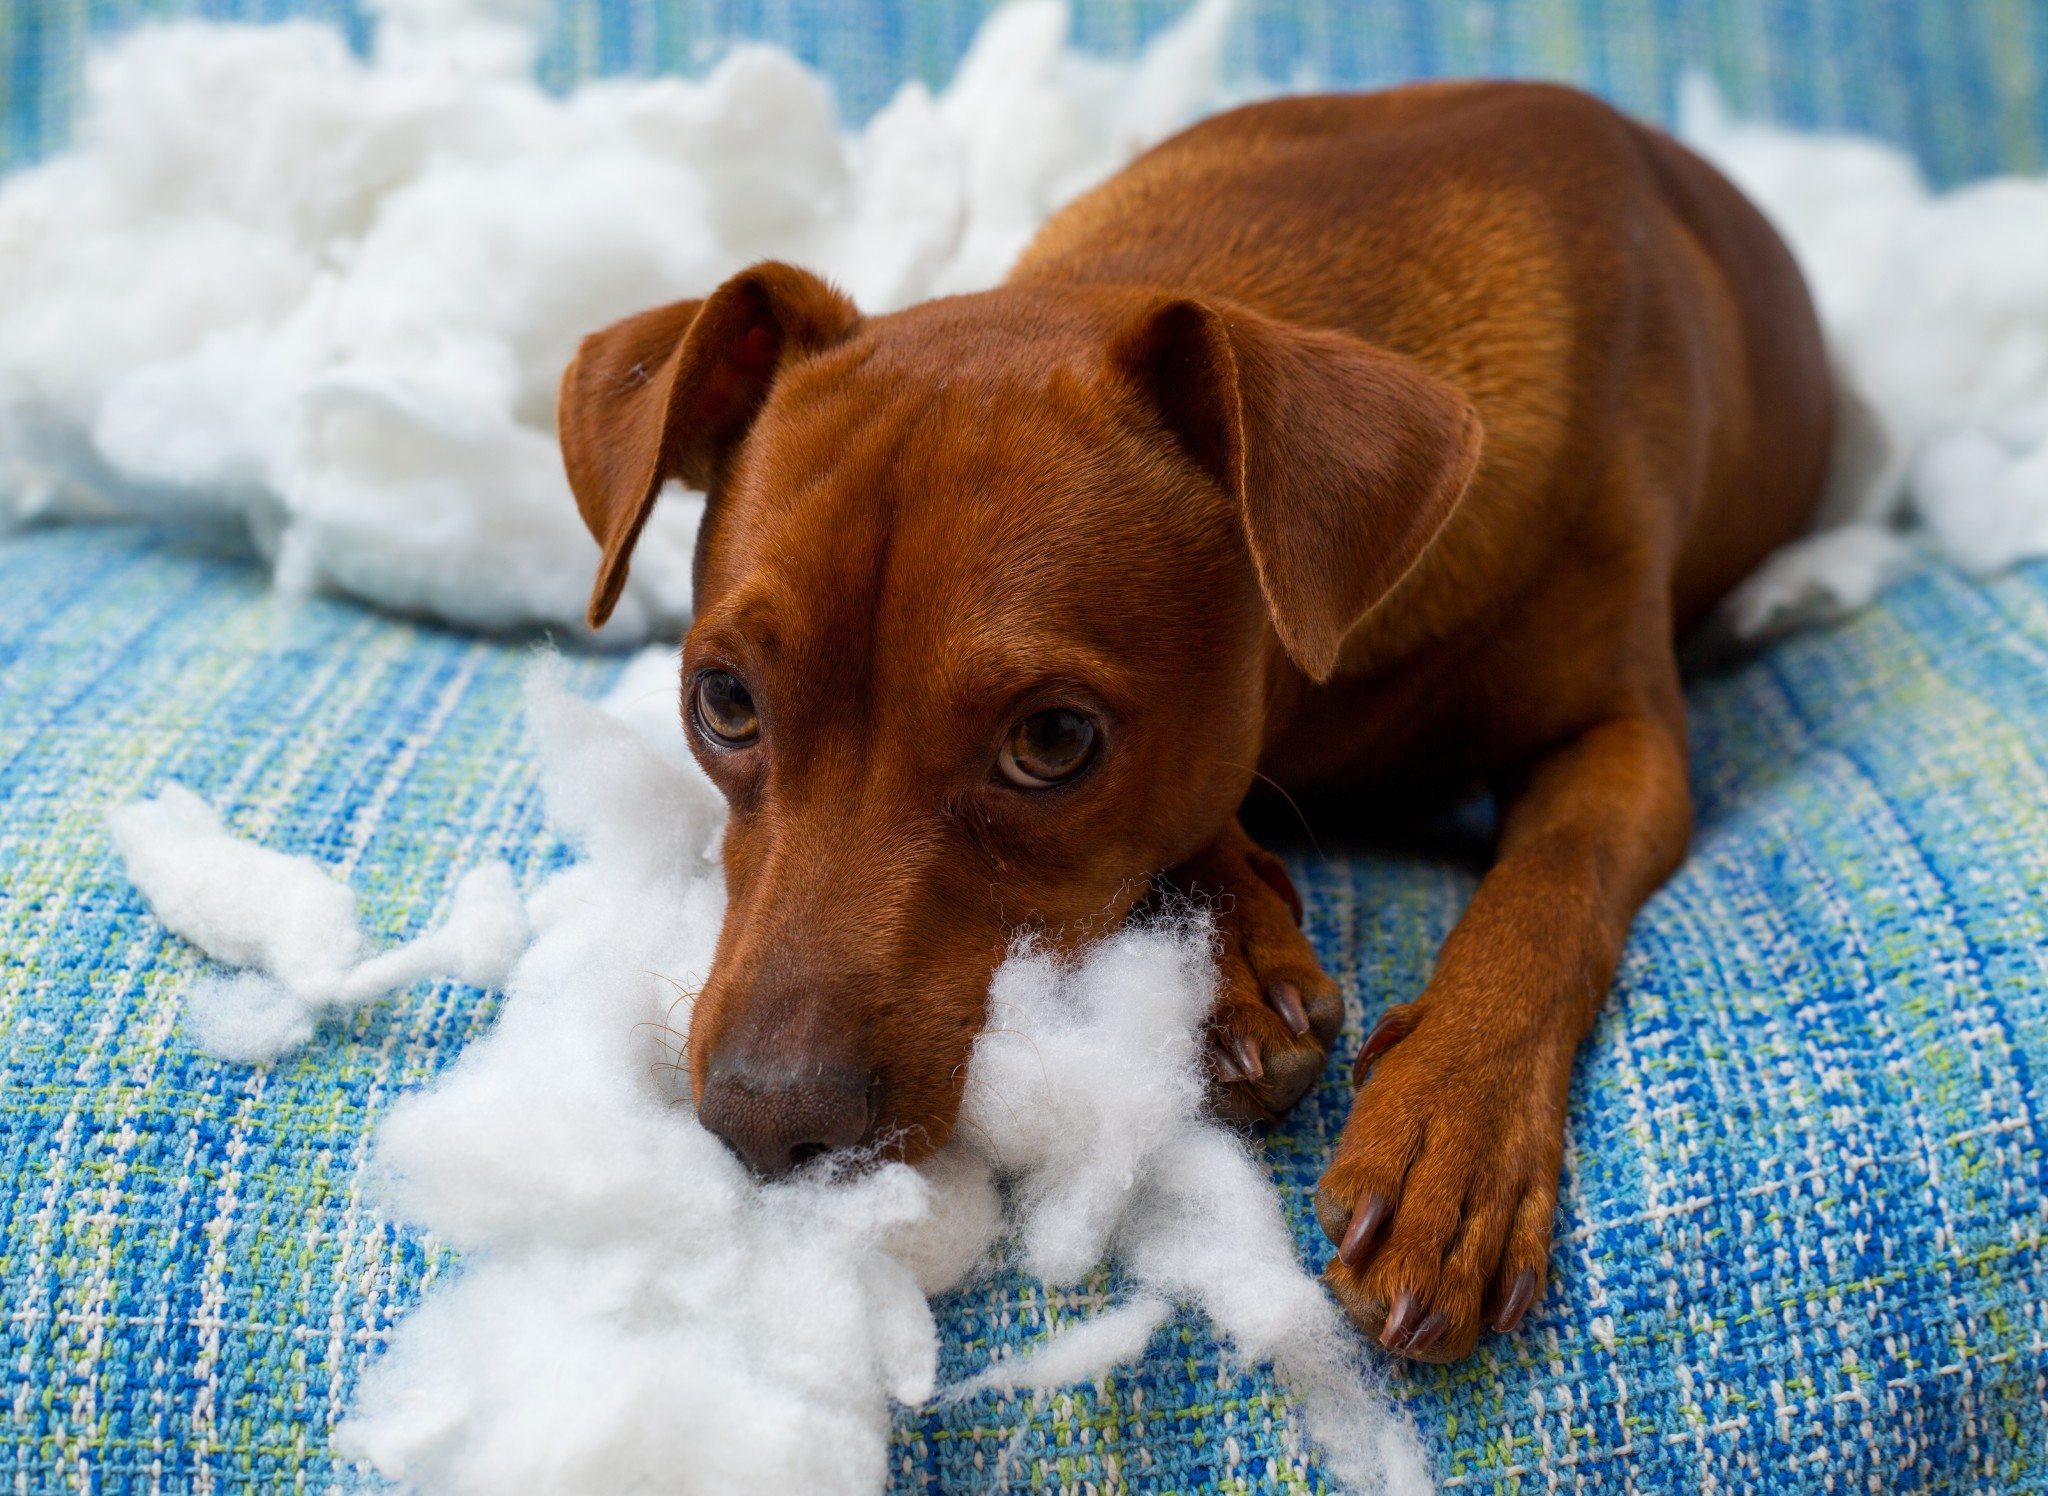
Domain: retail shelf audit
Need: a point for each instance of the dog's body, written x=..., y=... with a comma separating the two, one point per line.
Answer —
x=1371, y=441
x=1636, y=342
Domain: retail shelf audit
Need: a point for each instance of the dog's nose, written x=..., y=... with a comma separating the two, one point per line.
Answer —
x=777, y=1120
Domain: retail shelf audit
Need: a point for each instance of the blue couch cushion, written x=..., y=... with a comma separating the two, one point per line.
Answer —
x=1801, y=1239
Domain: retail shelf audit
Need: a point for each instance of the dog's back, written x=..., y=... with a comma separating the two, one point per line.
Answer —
x=1590, y=285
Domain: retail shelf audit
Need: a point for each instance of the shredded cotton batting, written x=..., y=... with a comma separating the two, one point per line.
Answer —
x=293, y=926
x=331, y=297
x=1935, y=307
x=634, y=1310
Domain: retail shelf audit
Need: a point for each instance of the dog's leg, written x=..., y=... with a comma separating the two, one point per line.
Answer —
x=1277, y=1012
x=1444, y=1184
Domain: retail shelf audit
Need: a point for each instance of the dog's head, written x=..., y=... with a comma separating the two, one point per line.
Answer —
x=993, y=599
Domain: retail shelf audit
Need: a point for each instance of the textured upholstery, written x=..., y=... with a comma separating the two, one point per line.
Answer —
x=1801, y=1243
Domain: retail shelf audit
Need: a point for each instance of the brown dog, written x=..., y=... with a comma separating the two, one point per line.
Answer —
x=1369, y=442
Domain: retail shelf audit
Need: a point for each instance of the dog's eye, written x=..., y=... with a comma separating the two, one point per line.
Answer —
x=725, y=710
x=1047, y=748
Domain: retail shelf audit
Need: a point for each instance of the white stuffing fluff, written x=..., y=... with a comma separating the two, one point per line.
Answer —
x=634, y=1310
x=1936, y=312
x=295, y=927
x=1076, y=1352
x=333, y=298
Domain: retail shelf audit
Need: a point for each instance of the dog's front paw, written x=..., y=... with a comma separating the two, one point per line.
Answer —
x=1442, y=1192
x=1276, y=1012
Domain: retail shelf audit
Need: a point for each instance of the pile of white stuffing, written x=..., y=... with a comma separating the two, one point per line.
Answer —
x=1935, y=307
x=331, y=297
x=635, y=1311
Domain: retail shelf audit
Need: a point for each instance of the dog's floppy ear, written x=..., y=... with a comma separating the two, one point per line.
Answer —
x=1344, y=460
x=668, y=393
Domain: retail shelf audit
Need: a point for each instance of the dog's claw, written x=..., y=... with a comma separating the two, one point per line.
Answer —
x=1427, y=1334
x=1365, y=1225
x=1246, y=1054
x=1392, y=1028
x=1284, y=998
x=1520, y=1296
x=1402, y=1322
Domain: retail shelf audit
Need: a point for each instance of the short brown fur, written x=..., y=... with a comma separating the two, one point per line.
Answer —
x=1369, y=443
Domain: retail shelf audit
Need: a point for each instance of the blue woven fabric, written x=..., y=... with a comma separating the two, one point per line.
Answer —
x=1801, y=1240
x=1956, y=81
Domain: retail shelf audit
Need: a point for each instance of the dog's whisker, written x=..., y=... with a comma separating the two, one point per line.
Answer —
x=1281, y=789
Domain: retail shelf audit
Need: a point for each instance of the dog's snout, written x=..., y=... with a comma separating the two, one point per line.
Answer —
x=778, y=1119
